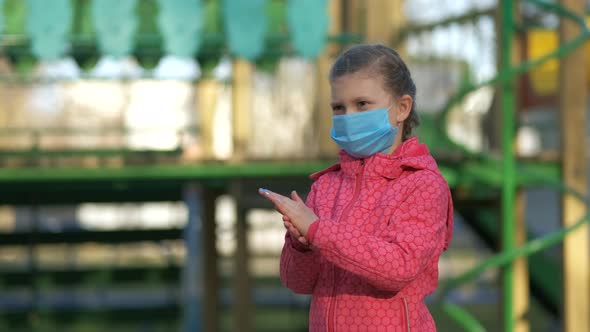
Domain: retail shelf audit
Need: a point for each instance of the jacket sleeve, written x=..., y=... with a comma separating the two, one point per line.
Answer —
x=389, y=261
x=299, y=264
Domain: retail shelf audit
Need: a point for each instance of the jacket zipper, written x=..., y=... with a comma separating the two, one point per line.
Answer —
x=406, y=313
x=357, y=189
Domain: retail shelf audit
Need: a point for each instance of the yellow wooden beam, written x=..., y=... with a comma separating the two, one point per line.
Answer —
x=384, y=20
x=4, y=110
x=243, y=72
x=520, y=266
x=207, y=97
x=521, y=271
x=323, y=115
x=573, y=103
x=353, y=14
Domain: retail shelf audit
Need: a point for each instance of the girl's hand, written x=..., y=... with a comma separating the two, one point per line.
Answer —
x=294, y=233
x=298, y=214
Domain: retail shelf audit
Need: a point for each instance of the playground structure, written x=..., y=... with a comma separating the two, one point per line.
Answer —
x=482, y=183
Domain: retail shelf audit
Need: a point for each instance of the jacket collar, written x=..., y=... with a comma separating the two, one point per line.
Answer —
x=409, y=155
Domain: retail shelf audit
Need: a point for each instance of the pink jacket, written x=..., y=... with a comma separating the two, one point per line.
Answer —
x=383, y=223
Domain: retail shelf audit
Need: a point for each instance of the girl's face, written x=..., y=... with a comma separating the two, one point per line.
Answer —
x=358, y=92
x=364, y=91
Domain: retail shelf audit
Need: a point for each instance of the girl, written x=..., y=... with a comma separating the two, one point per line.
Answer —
x=366, y=243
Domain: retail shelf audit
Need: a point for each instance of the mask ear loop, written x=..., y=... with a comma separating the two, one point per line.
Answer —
x=397, y=123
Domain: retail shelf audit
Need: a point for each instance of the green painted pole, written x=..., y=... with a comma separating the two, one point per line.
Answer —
x=509, y=184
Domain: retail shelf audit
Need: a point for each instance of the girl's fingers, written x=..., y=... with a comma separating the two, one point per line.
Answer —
x=275, y=198
x=289, y=224
x=286, y=206
x=294, y=231
x=296, y=197
x=303, y=240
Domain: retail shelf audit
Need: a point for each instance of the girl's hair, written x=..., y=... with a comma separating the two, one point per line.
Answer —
x=386, y=62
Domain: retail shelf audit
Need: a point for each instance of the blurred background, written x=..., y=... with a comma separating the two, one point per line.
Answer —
x=135, y=133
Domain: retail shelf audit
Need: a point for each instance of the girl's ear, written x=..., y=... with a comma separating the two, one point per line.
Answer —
x=404, y=108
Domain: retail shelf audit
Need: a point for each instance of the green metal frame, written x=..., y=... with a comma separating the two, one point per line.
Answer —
x=468, y=174
x=508, y=103
x=505, y=80
x=195, y=172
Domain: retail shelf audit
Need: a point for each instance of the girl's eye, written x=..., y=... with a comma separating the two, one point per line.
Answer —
x=337, y=109
x=362, y=104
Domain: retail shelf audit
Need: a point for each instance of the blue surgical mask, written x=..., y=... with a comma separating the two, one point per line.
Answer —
x=363, y=134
